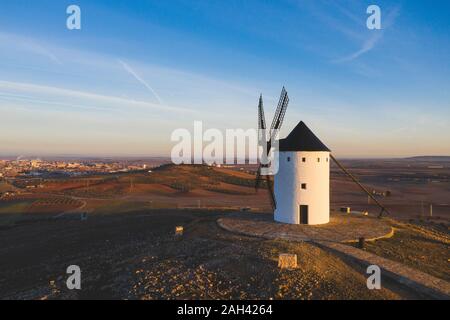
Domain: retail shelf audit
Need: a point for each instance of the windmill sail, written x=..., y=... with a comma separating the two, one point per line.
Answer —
x=261, y=117
x=275, y=126
x=261, y=126
x=278, y=118
x=280, y=112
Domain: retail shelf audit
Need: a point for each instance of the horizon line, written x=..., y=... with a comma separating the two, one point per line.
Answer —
x=137, y=156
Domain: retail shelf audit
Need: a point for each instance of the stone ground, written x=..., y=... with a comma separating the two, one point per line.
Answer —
x=424, y=247
x=347, y=228
x=137, y=256
x=413, y=278
x=341, y=228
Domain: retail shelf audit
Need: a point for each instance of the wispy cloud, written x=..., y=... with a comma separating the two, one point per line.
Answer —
x=29, y=92
x=27, y=44
x=142, y=81
x=370, y=42
x=38, y=101
x=367, y=45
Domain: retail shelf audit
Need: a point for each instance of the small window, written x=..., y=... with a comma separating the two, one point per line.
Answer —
x=288, y=159
x=318, y=159
x=327, y=159
x=304, y=186
x=303, y=159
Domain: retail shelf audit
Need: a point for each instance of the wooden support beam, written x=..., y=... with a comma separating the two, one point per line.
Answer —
x=383, y=208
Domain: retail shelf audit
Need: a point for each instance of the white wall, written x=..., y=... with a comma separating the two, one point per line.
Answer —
x=288, y=192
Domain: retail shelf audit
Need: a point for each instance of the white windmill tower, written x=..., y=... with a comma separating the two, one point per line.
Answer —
x=302, y=183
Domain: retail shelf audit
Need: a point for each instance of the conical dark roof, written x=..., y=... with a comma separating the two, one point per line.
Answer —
x=302, y=139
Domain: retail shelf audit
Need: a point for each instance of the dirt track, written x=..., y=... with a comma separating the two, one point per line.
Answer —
x=137, y=256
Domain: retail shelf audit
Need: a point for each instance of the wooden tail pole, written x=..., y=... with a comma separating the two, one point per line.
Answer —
x=383, y=209
x=273, y=201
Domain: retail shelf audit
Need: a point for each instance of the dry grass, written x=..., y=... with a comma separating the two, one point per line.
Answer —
x=419, y=247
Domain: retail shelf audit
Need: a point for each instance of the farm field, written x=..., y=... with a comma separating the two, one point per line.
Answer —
x=127, y=237
x=414, y=189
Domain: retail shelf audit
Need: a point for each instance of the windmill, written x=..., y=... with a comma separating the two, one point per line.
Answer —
x=301, y=185
x=274, y=128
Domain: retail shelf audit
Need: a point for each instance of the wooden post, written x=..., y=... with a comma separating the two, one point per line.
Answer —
x=179, y=230
x=431, y=209
x=361, y=243
x=421, y=214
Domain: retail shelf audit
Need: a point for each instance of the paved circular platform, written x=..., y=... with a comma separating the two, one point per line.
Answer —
x=341, y=228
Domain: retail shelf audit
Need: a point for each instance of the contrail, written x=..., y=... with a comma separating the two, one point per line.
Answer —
x=372, y=41
x=10, y=39
x=32, y=92
x=138, y=78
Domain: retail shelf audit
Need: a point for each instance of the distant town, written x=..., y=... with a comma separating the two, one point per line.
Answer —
x=47, y=168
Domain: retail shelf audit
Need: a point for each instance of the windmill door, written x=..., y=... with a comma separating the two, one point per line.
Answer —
x=303, y=214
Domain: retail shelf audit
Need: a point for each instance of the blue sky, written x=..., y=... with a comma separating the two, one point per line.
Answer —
x=137, y=70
